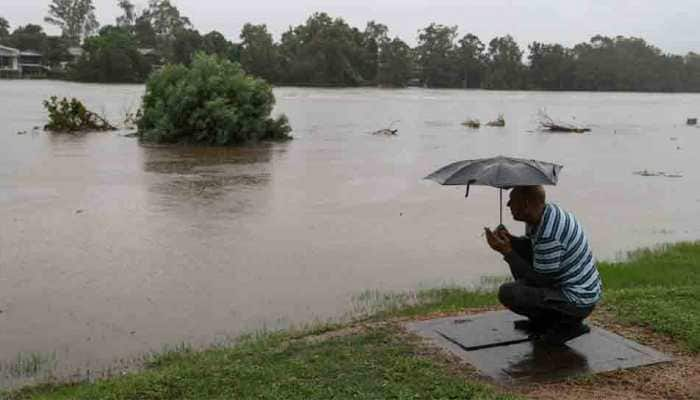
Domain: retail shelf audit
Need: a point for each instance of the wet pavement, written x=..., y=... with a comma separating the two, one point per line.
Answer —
x=511, y=358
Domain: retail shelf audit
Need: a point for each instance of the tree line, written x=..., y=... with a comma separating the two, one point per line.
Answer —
x=327, y=51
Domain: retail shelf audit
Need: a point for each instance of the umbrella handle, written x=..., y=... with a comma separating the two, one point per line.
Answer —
x=468, y=184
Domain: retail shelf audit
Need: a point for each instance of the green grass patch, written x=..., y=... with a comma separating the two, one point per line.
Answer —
x=666, y=266
x=658, y=288
x=375, y=364
x=671, y=311
x=380, y=305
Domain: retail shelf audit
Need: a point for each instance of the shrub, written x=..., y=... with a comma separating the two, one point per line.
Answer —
x=211, y=102
x=72, y=116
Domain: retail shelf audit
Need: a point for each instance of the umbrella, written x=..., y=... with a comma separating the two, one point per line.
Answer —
x=500, y=172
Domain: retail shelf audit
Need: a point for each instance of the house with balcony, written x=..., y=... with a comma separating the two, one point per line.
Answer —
x=9, y=62
x=16, y=64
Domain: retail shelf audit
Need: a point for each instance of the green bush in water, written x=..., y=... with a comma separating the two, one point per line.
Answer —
x=72, y=116
x=212, y=101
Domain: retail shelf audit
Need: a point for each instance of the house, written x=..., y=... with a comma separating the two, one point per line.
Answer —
x=15, y=63
x=30, y=63
x=9, y=59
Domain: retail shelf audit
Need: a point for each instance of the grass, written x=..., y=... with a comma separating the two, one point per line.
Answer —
x=374, y=364
x=658, y=288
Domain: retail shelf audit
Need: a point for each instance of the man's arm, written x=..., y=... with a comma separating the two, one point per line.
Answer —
x=504, y=243
x=522, y=270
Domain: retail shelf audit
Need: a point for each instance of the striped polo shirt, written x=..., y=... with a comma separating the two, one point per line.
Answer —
x=561, y=252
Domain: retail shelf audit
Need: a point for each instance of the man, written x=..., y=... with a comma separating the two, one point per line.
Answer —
x=556, y=281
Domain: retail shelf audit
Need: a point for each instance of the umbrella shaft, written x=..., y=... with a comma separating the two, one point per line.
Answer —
x=500, y=201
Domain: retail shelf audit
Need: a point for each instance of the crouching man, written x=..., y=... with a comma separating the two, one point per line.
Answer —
x=556, y=280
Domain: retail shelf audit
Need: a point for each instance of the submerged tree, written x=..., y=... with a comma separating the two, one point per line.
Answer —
x=211, y=102
x=76, y=18
x=72, y=116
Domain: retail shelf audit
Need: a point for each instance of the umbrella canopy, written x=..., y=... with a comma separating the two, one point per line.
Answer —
x=500, y=172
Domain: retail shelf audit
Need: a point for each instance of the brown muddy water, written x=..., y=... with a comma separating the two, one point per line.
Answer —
x=110, y=249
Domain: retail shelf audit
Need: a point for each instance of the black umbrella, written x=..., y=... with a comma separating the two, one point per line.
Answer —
x=500, y=172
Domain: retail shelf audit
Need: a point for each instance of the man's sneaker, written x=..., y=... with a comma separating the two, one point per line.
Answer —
x=561, y=333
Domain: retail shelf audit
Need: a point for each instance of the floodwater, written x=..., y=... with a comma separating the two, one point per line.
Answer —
x=110, y=249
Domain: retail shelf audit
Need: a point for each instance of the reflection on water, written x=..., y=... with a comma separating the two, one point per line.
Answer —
x=109, y=248
x=541, y=362
x=191, y=175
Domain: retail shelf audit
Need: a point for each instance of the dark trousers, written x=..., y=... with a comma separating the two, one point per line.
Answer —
x=536, y=298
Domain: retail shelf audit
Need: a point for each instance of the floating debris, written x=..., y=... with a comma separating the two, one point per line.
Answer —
x=498, y=122
x=658, y=173
x=549, y=124
x=472, y=123
x=387, y=131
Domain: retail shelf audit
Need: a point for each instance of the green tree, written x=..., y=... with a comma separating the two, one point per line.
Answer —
x=4, y=28
x=215, y=43
x=506, y=70
x=470, y=60
x=324, y=51
x=551, y=66
x=165, y=19
x=374, y=39
x=259, y=54
x=161, y=22
x=76, y=18
x=185, y=44
x=212, y=102
x=56, y=51
x=128, y=17
x=396, y=62
x=28, y=37
x=435, y=53
x=111, y=56
x=691, y=73
x=144, y=33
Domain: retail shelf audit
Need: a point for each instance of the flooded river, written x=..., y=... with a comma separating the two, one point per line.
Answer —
x=110, y=249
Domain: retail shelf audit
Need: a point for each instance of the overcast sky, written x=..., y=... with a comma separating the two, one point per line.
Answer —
x=672, y=25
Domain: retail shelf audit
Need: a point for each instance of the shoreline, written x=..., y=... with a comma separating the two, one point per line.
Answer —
x=635, y=291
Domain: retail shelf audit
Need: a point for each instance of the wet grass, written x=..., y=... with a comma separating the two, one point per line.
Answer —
x=376, y=363
x=655, y=288
x=660, y=289
x=27, y=365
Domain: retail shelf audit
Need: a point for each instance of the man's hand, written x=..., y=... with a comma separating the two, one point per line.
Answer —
x=502, y=231
x=499, y=241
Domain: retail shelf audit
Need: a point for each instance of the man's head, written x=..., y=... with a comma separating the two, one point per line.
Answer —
x=527, y=203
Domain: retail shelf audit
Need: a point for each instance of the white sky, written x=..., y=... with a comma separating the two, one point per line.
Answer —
x=672, y=25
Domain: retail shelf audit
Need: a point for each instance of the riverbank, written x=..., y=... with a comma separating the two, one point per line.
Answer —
x=653, y=298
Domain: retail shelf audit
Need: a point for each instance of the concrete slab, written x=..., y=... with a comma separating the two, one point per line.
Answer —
x=511, y=358
x=483, y=330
